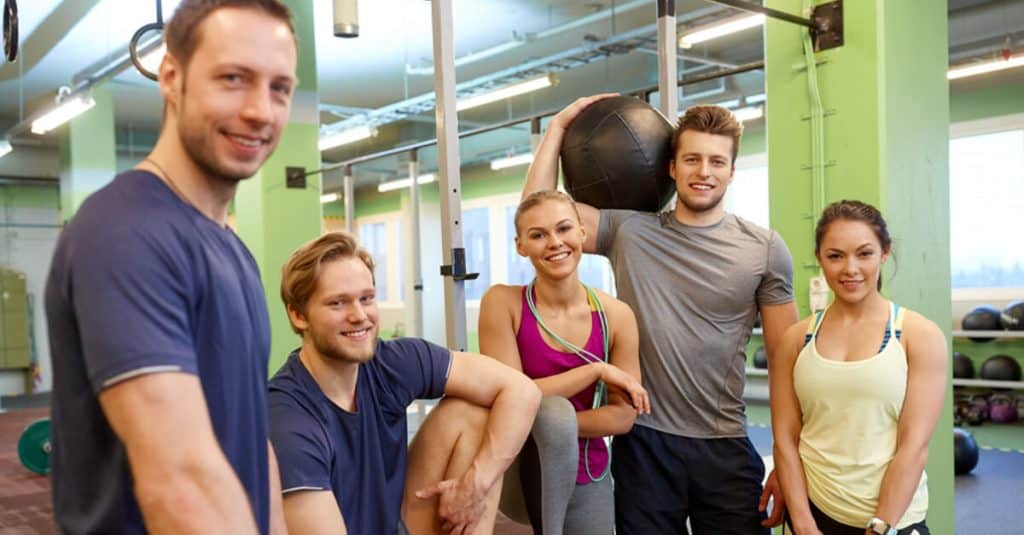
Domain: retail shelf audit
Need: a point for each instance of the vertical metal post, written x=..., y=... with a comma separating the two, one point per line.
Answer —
x=447, y=123
x=417, y=261
x=350, y=200
x=668, y=89
x=534, y=134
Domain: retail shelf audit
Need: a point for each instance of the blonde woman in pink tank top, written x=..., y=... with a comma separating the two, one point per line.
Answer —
x=580, y=346
x=856, y=393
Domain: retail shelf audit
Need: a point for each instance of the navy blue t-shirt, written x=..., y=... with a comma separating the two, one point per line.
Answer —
x=143, y=283
x=361, y=456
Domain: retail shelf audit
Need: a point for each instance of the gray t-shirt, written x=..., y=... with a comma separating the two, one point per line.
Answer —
x=695, y=292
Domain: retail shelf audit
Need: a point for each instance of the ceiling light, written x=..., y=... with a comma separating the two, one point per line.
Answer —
x=152, y=59
x=755, y=99
x=749, y=113
x=511, y=161
x=68, y=109
x=508, y=91
x=719, y=29
x=337, y=139
x=405, y=183
x=5, y=147
x=329, y=197
x=974, y=69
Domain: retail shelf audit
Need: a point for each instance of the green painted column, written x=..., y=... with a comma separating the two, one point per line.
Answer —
x=272, y=219
x=886, y=142
x=88, y=155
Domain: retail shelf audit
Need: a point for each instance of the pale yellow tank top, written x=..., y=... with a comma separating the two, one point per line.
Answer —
x=850, y=416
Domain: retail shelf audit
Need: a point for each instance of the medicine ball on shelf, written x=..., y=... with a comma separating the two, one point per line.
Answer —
x=1012, y=317
x=982, y=318
x=965, y=451
x=616, y=154
x=1001, y=368
x=963, y=366
x=760, y=359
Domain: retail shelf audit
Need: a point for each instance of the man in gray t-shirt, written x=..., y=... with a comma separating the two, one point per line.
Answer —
x=696, y=277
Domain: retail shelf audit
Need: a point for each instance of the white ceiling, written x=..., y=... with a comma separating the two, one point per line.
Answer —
x=371, y=71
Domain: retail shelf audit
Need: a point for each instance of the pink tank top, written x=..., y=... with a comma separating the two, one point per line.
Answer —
x=541, y=360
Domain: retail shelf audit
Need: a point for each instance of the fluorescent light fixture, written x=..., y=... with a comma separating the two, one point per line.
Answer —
x=974, y=69
x=511, y=161
x=749, y=113
x=755, y=99
x=719, y=29
x=729, y=103
x=405, y=183
x=344, y=137
x=508, y=91
x=329, y=197
x=64, y=112
x=151, y=60
x=5, y=147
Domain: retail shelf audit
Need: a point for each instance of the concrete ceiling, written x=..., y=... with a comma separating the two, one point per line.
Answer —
x=385, y=63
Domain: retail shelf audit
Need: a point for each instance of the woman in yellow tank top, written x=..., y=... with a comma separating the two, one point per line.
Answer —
x=856, y=391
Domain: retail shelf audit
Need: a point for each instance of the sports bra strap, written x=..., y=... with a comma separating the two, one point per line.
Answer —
x=813, y=326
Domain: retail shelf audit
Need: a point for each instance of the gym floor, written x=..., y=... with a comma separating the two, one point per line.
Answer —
x=987, y=501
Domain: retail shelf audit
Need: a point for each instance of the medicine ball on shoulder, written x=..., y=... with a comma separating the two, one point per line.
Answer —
x=616, y=154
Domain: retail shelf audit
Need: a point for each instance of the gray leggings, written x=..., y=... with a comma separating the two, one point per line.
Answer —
x=540, y=487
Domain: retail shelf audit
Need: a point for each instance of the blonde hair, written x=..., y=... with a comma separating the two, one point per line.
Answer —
x=539, y=197
x=301, y=273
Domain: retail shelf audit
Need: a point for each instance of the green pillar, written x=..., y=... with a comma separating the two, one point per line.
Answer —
x=886, y=142
x=273, y=219
x=88, y=155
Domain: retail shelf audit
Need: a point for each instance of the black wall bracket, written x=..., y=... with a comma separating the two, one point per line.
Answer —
x=457, y=269
x=295, y=177
x=827, y=28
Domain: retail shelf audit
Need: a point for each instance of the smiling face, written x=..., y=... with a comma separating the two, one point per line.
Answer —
x=341, y=317
x=703, y=169
x=551, y=236
x=851, y=258
x=229, y=105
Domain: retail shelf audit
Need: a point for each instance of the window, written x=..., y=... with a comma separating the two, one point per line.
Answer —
x=372, y=237
x=380, y=235
x=986, y=174
x=475, y=239
x=748, y=193
x=520, y=270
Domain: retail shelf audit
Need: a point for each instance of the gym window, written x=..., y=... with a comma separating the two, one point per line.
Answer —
x=379, y=235
x=747, y=196
x=986, y=184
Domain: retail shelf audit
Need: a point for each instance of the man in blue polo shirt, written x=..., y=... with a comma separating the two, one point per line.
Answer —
x=338, y=412
x=157, y=318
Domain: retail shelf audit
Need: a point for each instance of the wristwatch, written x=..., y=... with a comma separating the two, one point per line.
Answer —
x=877, y=525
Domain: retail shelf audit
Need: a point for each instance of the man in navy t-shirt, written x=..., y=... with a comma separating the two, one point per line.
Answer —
x=338, y=412
x=157, y=319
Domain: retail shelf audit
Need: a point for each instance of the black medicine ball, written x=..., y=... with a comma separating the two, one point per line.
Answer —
x=1012, y=317
x=1001, y=368
x=963, y=366
x=760, y=359
x=982, y=318
x=965, y=451
x=616, y=154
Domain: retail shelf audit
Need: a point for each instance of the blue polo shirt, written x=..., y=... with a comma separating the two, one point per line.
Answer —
x=143, y=283
x=360, y=456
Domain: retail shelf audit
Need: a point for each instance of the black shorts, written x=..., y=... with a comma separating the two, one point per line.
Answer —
x=661, y=480
x=828, y=526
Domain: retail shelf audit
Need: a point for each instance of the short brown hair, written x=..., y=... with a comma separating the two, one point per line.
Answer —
x=710, y=119
x=181, y=34
x=301, y=273
x=538, y=197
